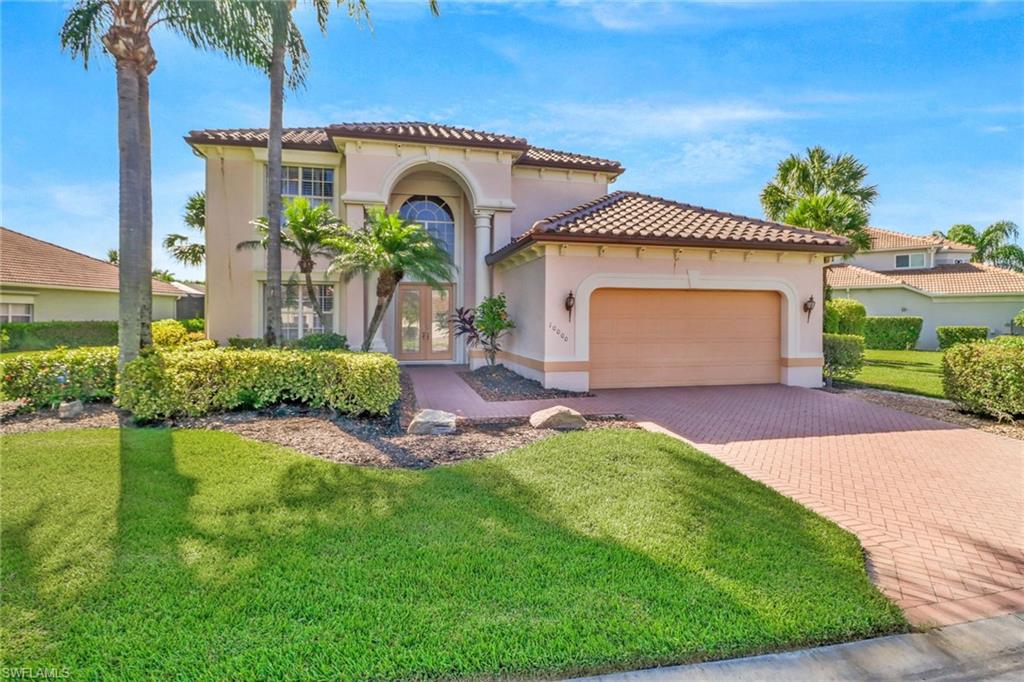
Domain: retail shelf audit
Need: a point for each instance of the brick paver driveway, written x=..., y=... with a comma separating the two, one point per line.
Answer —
x=938, y=508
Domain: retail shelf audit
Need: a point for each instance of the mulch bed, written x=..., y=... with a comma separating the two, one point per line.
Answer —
x=943, y=410
x=380, y=442
x=500, y=384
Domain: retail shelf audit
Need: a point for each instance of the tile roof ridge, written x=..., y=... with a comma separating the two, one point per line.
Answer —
x=555, y=221
x=737, y=216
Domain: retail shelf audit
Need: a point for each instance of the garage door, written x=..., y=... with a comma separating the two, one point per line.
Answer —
x=658, y=337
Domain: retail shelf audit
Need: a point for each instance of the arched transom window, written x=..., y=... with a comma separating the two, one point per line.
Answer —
x=435, y=216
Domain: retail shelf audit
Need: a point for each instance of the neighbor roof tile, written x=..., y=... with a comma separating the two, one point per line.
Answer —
x=888, y=240
x=960, y=278
x=27, y=260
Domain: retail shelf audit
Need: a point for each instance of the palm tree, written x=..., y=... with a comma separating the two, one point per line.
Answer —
x=179, y=246
x=994, y=245
x=825, y=190
x=112, y=256
x=393, y=248
x=123, y=28
x=285, y=38
x=307, y=233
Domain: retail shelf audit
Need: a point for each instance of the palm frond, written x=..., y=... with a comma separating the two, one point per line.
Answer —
x=83, y=28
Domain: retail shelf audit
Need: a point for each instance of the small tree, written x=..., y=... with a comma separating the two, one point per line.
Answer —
x=307, y=232
x=179, y=246
x=392, y=248
x=485, y=326
x=996, y=244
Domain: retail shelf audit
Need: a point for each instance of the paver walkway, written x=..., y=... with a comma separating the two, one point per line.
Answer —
x=938, y=508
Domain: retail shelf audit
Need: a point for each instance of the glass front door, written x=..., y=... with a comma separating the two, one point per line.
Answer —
x=424, y=327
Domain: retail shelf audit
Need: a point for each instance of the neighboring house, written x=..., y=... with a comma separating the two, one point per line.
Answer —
x=192, y=303
x=661, y=293
x=931, y=278
x=40, y=282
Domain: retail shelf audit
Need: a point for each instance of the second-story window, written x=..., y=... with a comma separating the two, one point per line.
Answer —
x=910, y=260
x=312, y=183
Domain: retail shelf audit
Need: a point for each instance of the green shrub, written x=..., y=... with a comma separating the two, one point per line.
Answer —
x=892, y=333
x=324, y=341
x=950, y=336
x=169, y=333
x=986, y=377
x=245, y=343
x=844, y=356
x=176, y=383
x=196, y=324
x=844, y=316
x=46, y=378
x=1018, y=319
x=1010, y=340
x=47, y=335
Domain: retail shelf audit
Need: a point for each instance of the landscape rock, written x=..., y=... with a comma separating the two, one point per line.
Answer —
x=432, y=423
x=70, y=410
x=558, y=417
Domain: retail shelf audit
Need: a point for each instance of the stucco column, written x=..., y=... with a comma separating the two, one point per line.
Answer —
x=483, y=247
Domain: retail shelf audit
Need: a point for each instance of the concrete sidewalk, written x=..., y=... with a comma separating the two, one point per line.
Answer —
x=991, y=649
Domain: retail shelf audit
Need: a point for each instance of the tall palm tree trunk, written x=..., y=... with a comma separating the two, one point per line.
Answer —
x=145, y=279
x=131, y=212
x=272, y=333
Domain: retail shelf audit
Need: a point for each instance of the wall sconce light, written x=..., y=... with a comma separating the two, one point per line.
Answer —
x=808, y=307
x=570, y=303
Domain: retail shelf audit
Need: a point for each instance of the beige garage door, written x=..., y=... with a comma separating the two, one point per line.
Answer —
x=658, y=337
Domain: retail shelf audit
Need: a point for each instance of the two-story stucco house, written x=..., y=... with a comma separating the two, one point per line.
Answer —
x=931, y=278
x=606, y=289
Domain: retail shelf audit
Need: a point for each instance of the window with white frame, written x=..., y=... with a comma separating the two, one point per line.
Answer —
x=435, y=216
x=16, y=312
x=310, y=182
x=910, y=260
x=298, y=316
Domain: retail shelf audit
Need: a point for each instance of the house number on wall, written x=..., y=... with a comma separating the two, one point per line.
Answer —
x=558, y=332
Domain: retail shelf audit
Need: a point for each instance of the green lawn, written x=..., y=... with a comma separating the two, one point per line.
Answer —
x=193, y=554
x=907, y=371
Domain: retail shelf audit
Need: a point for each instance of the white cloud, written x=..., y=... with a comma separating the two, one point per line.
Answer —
x=995, y=129
x=631, y=120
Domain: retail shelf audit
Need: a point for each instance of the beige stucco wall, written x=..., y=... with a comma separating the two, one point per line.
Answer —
x=994, y=312
x=886, y=260
x=77, y=304
x=564, y=348
x=542, y=192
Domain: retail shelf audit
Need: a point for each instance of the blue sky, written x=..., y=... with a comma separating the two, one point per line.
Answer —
x=699, y=101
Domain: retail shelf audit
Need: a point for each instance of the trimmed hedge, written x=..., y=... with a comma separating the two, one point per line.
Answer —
x=950, y=336
x=47, y=378
x=47, y=335
x=168, y=333
x=892, y=333
x=176, y=383
x=986, y=377
x=321, y=341
x=845, y=316
x=196, y=324
x=844, y=356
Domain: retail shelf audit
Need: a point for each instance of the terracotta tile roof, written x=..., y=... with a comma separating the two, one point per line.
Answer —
x=27, y=260
x=541, y=156
x=634, y=218
x=960, y=278
x=844, y=275
x=293, y=138
x=320, y=139
x=426, y=132
x=887, y=240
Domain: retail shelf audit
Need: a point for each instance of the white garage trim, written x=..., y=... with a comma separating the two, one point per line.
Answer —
x=690, y=279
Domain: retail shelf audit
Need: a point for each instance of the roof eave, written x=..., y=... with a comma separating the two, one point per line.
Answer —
x=515, y=246
x=336, y=132
x=614, y=171
x=306, y=146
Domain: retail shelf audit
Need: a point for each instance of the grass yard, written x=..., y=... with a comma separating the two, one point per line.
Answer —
x=198, y=554
x=906, y=371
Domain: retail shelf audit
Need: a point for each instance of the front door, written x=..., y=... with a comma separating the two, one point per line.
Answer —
x=424, y=326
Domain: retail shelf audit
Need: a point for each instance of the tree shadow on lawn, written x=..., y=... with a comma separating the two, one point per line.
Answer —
x=252, y=561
